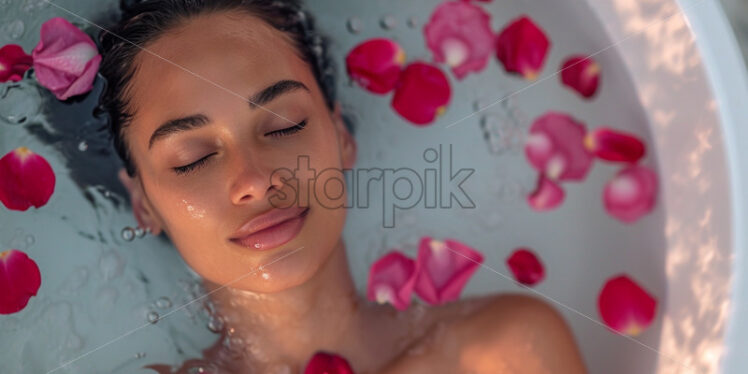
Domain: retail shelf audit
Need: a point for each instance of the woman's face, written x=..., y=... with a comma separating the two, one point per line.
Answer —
x=209, y=69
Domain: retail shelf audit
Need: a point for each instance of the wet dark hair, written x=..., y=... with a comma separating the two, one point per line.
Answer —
x=145, y=21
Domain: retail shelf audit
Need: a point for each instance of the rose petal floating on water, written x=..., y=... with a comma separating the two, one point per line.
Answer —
x=13, y=63
x=555, y=147
x=625, y=307
x=443, y=269
x=614, y=145
x=547, y=195
x=522, y=47
x=376, y=64
x=526, y=267
x=582, y=74
x=66, y=60
x=26, y=179
x=459, y=33
x=421, y=94
x=327, y=363
x=391, y=280
x=20, y=279
x=631, y=193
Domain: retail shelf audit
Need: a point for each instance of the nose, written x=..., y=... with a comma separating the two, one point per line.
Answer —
x=251, y=180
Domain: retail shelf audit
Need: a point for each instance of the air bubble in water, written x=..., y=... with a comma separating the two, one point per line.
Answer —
x=139, y=232
x=163, y=302
x=14, y=29
x=82, y=146
x=140, y=355
x=128, y=234
x=30, y=240
x=152, y=317
x=354, y=25
x=215, y=324
x=388, y=22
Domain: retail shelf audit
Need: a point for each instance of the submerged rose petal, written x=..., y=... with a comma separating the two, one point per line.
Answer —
x=614, y=145
x=327, y=363
x=525, y=266
x=444, y=268
x=376, y=64
x=522, y=47
x=19, y=280
x=547, y=195
x=66, y=60
x=459, y=33
x=391, y=280
x=631, y=193
x=13, y=63
x=26, y=179
x=422, y=93
x=625, y=307
x=582, y=74
x=555, y=147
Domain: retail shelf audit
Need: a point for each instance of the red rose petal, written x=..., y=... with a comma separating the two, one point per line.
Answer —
x=625, y=307
x=547, y=195
x=631, y=193
x=422, y=93
x=327, y=363
x=391, y=280
x=20, y=279
x=376, y=64
x=13, y=63
x=26, y=179
x=582, y=74
x=459, y=33
x=614, y=145
x=555, y=147
x=526, y=267
x=522, y=47
x=443, y=269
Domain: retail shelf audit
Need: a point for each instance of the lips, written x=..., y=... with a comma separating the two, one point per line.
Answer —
x=271, y=229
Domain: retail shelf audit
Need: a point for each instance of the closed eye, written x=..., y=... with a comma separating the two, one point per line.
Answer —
x=187, y=168
x=288, y=131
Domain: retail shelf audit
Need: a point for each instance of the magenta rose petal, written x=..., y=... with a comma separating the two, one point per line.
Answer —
x=613, y=145
x=444, y=268
x=26, y=180
x=522, y=47
x=626, y=307
x=66, y=60
x=581, y=74
x=376, y=64
x=13, y=63
x=526, y=267
x=459, y=34
x=631, y=194
x=421, y=94
x=391, y=280
x=327, y=363
x=547, y=195
x=20, y=279
x=555, y=147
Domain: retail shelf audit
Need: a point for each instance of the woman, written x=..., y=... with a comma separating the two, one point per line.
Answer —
x=208, y=100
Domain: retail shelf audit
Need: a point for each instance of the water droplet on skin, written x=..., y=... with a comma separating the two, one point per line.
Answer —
x=128, y=234
x=354, y=25
x=258, y=245
x=153, y=317
x=163, y=302
x=265, y=276
x=388, y=22
x=82, y=146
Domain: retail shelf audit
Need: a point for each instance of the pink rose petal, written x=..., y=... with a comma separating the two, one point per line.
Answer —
x=526, y=267
x=547, y=195
x=26, y=179
x=66, y=60
x=422, y=93
x=327, y=363
x=581, y=74
x=391, y=280
x=613, y=145
x=13, y=63
x=376, y=64
x=443, y=269
x=20, y=279
x=522, y=47
x=631, y=194
x=459, y=33
x=625, y=307
x=555, y=147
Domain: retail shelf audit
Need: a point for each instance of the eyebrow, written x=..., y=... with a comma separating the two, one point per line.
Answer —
x=199, y=120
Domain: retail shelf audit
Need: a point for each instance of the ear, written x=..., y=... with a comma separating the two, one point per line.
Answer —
x=141, y=207
x=346, y=141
